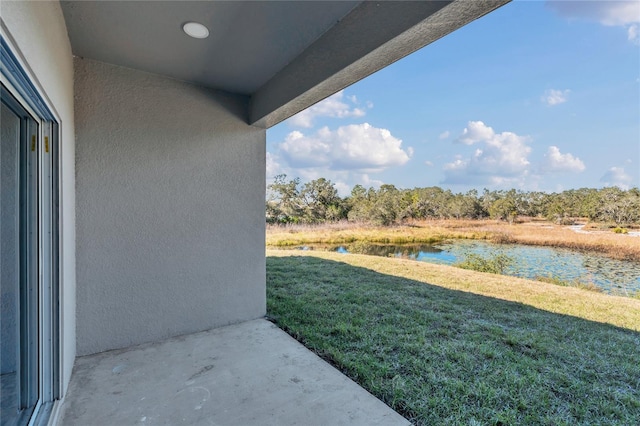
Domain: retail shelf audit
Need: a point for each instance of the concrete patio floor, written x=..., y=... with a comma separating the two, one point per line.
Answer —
x=251, y=373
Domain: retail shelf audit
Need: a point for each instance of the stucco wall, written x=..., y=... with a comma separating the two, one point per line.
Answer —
x=170, y=208
x=38, y=32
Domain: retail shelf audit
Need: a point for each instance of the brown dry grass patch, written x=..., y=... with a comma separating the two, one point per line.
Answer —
x=532, y=232
x=617, y=246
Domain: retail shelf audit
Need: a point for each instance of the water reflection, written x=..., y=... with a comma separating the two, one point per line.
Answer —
x=613, y=276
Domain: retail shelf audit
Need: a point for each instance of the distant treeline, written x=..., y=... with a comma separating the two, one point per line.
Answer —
x=290, y=201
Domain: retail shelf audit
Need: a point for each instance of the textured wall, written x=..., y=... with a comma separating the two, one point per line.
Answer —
x=170, y=208
x=38, y=31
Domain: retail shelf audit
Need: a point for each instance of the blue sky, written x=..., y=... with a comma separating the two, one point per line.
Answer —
x=537, y=95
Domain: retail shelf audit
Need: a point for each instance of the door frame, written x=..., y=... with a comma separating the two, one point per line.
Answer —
x=18, y=86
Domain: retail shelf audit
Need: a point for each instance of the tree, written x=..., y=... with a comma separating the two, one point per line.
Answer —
x=556, y=211
x=318, y=201
x=321, y=201
x=620, y=207
x=283, y=200
x=464, y=206
x=359, y=204
x=386, y=206
x=504, y=209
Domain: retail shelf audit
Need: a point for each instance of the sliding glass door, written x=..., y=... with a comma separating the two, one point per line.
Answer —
x=28, y=262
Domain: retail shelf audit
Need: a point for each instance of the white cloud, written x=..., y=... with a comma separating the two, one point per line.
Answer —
x=476, y=131
x=346, y=156
x=353, y=147
x=273, y=166
x=555, y=161
x=367, y=182
x=444, y=135
x=334, y=106
x=616, y=176
x=555, y=97
x=343, y=188
x=609, y=13
x=500, y=159
x=633, y=35
x=428, y=163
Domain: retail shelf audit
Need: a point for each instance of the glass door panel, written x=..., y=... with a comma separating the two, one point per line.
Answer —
x=20, y=276
x=10, y=129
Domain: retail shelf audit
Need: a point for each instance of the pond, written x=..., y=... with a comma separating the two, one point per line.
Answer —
x=613, y=276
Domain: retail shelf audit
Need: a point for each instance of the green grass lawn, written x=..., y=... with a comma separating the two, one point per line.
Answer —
x=443, y=345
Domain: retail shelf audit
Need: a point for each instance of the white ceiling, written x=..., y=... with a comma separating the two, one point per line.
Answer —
x=249, y=42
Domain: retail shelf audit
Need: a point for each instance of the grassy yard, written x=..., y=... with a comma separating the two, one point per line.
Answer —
x=443, y=345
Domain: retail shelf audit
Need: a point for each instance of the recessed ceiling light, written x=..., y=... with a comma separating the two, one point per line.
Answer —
x=195, y=30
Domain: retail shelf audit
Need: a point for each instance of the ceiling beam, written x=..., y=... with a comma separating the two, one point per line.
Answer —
x=372, y=36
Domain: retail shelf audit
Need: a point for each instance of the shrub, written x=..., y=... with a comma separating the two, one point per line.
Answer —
x=496, y=263
x=619, y=230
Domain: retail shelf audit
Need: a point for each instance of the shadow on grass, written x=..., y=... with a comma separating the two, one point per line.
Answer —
x=441, y=356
